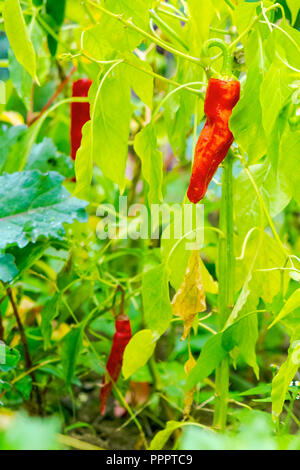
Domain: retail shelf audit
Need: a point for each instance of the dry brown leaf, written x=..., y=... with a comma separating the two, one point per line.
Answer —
x=190, y=297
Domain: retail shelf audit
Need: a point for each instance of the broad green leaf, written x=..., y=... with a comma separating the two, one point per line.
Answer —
x=71, y=347
x=18, y=36
x=272, y=103
x=210, y=357
x=291, y=304
x=288, y=156
x=8, y=269
x=156, y=299
x=145, y=145
x=246, y=120
x=111, y=112
x=33, y=205
x=138, y=351
x=283, y=378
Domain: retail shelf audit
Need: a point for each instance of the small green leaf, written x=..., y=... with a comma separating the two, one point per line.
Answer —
x=161, y=438
x=283, y=378
x=49, y=313
x=291, y=304
x=18, y=36
x=8, y=269
x=145, y=145
x=9, y=358
x=84, y=162
x=138, y=351
x=156, y=299
x=210, y=357
x=72, y=344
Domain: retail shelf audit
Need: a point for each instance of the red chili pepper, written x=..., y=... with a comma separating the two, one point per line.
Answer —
x=114, y=363
x=216, y=137
x=80, y=113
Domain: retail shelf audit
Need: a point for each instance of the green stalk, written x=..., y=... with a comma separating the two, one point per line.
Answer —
x=226, y=289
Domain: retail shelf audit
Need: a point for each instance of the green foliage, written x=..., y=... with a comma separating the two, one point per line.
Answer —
x=60, y=283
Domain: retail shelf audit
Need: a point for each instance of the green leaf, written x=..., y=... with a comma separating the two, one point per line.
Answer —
x=291, y=304
x=288, y=155
x=283, y=378
x=8, y=269
x=179, y=109
x=137, y=12
x=145, y=145
x=21, y=79
x=210, y=357
x=18, y=36
x=84, y=162
x=7, y=142
x=294, y=7
x=111, y=112
x=34, y=205
x=56, y=11
x=138, y=351
x=45, y=157
x=200, y=17
x=156, y=299
x=9, y=358
x=161, y=438
x=141, y=82
x=49, y=313
x=24, y=386
x=72, y=344
x=100, y=41
x=246, y=120
x=272, y=103
x=273, y=190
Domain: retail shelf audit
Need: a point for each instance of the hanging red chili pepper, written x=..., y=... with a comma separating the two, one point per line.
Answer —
x=114, y=363
x=216, y=138
x=80, y=113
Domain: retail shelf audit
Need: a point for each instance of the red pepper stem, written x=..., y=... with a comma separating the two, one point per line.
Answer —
x=227, y=56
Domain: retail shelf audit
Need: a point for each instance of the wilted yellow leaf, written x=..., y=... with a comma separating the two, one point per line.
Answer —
x=190, y=297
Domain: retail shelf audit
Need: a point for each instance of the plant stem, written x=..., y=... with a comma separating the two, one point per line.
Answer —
x=167, y=29
x=152, y=38
x=226, y=286
x=27, y=356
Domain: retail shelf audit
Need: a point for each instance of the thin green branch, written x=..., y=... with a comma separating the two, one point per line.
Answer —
x=146, y=35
